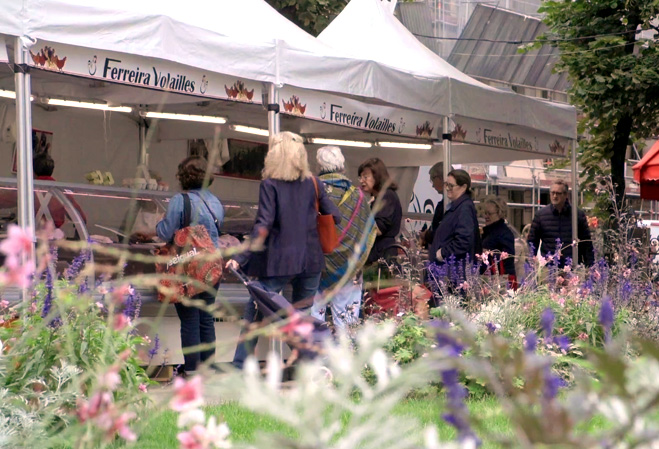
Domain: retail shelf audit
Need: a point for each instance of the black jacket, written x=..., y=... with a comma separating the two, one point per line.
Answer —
x=458, y=232
x=436, y=220
x=388, y=221
x=499, y=238
x=549, y=225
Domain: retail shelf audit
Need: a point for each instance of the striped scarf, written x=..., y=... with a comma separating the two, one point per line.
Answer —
x=337, y=263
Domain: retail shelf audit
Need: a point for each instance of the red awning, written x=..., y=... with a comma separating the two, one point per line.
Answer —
x=646, y=173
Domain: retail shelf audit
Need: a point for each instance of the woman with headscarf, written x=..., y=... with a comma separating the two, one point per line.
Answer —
x=356, y=232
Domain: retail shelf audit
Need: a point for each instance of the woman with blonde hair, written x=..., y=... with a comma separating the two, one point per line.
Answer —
x=498, y=238
x=287, y=218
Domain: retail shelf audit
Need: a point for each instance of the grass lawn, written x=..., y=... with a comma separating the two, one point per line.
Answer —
x=160, y=430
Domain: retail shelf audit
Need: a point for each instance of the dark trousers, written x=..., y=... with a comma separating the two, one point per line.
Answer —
x=197, y=327
x=304, y=287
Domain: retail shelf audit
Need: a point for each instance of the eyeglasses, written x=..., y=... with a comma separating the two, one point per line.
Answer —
x=449, y=185
x=557, y=193
x=365, y=177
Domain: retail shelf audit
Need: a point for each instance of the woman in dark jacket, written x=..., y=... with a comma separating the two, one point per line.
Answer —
x=458, y=234
x=373, y=177
x=498, y=238
x=287, y=218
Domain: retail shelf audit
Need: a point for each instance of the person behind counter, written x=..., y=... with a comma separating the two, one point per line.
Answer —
x=43, y=167
x=197, y=326
x=373, y=177
x=458, y=234
x=287, y=217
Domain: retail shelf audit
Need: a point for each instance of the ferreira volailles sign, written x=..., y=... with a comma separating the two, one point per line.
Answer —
x=507, y=137
x=330, y=108
x=141, y=72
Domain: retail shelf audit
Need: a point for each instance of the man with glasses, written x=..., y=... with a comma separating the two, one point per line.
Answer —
x=553, y=225
x=436, y=173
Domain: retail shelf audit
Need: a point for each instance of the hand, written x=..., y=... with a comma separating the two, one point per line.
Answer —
x=232, y=265
x=439, y=255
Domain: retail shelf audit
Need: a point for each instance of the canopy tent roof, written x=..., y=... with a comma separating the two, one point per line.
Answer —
x=368, y=30
x=646, y=173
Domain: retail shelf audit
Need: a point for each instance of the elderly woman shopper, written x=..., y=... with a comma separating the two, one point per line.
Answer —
x=197, y=325
x=458, y=234
x=498, y=238
x=374, y=178
x=287, y=218
x=356, y=233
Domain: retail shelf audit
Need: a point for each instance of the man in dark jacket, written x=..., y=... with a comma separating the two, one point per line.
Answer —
x=554, y=222
x=436, y=173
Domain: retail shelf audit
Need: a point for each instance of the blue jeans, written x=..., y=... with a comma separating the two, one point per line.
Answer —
x=345, y=305
x=197, y=327
x=304, y=287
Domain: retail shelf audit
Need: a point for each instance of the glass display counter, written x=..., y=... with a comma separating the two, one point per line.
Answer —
x=113, y=217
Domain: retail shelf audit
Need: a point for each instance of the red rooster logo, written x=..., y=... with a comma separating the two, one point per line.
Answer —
x=424, y=130
x=239, y=92
x=458, y=133
x=294, y=106
x=48, y=59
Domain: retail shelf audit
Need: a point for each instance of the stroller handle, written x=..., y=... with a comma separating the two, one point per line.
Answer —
x=240, y=275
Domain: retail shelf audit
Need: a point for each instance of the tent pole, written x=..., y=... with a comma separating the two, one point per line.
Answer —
x=273, y=110
x=143, y=159
x=24, y=146
x=575, y=204
x=24, y=138
x=446, y=145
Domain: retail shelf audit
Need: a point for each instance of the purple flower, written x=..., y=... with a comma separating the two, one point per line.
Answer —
x=568, y=261
x=458, y=415
x=491, y=328
x=606, y=317
x=445, y=340
x=552, y=384
x=133, y=304
x=563, y=342
x=156, y=347
x=547, y=321
x=76, y=265
x=48, y=299
x=530, y=342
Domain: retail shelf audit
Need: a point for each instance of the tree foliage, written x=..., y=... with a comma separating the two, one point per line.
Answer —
x=310, y=15
x=615, y=81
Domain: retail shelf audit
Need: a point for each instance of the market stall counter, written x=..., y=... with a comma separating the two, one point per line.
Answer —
x=122, y=221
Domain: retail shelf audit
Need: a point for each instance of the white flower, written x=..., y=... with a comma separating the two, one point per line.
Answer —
x=194, y=416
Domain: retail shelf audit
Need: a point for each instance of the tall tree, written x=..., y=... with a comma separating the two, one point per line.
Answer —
x=614, y=75
x=310, y=15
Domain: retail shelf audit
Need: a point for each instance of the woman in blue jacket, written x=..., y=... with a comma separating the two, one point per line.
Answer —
x=287, y=217
x=458, y=234
x=498, y=238
x=197, y=325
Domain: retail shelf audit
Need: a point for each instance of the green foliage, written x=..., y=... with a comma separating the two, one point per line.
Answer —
x=313, y=16
x=410, y=341
x=615, y=83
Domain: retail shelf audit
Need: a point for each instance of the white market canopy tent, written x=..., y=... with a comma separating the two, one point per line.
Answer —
x=482, y=115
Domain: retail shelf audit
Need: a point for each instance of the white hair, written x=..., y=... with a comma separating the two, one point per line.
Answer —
x=330, y=159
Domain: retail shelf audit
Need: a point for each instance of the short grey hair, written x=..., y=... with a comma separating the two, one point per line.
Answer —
x=561, y=182
x=498, y=202
x=437, y=170
x=330, y=159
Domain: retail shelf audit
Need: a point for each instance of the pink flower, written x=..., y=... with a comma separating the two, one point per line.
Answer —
x=296, y=326
x=98, y=403
x=121, y=321
x=120, y=426
x=200, y=437
x=187, y=395
x=596, y=275
x=560, y=280
x=583, y=336
x=465, y=285
x=142, y=388
x=119, y=295
x=18, y=275
x=4, y=304
x=194, y=438
x=567, y=268
x=18, y=241
x=504, y=255
x=111, y=379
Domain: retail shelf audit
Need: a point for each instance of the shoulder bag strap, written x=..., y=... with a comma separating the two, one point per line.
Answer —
x=187, y=211
x=215, y=220
x=315, y=184
x=354, y=214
